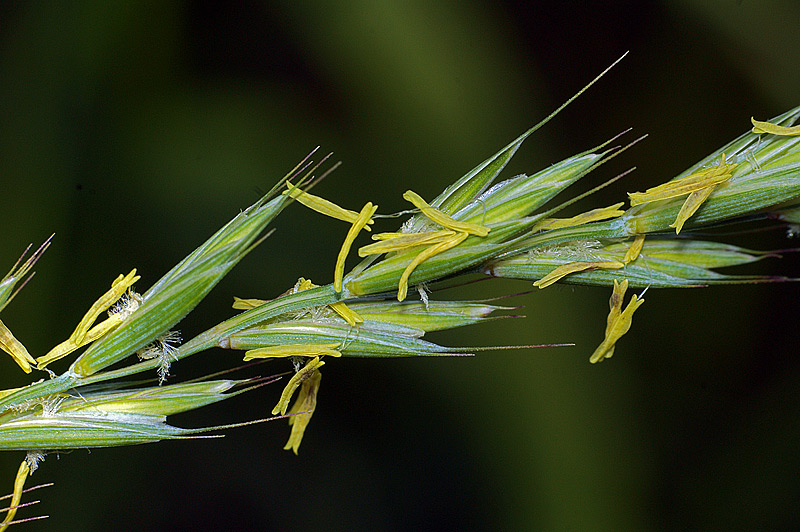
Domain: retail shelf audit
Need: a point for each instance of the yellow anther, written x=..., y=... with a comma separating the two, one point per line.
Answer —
x=246, y=304
x=69, y=345
x=349, y=315
x=9, y=391
x=690, y=206
x=618, y=322
x=698, y=186
x=360, y=223
x=595, y=215
x=293, y=350
x=12, y=346
x=686, y=185
x=425, y=254
x=389, y=242
x=118, y=287
x=19, y=483
x=305, y=403
x=322, y=206
x=297, y=379
x=455, y=232
x=443, y=219
x=575, y=267
x=774, y=129
x=635, y=249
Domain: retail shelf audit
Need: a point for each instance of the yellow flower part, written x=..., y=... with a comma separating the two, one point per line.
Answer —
x=349, y=315
x=615, y=306
x=686, y=185
x=773, y=129
x=303, y=408
x=595, y=215
x=425, y=254
x=293, y=350
x=699, y=186
x=360, y=223
x=311, y=367
x=441, y=218
x=437, y=241
x=6, y=393
x=12, y=346
x=118, y=287
x=322, y=206
x=636, y=248
x=69, y=345
x=575, y=267
x=390, y=242
x=618, y=322
x=246, y=304
x=690, y=206
x=19, y=483
x=303, y=284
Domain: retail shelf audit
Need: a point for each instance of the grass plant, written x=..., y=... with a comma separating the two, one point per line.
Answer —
x=483, y=224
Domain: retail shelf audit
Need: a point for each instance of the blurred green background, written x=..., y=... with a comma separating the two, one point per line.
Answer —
x=134, y=129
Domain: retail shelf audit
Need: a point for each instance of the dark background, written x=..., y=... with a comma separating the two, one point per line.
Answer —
x=133, y=130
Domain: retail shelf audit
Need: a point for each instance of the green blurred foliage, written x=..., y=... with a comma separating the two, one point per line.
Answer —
x=133, y=130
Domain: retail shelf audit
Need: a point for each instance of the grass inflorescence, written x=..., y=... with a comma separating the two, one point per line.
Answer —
x=481, y=224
